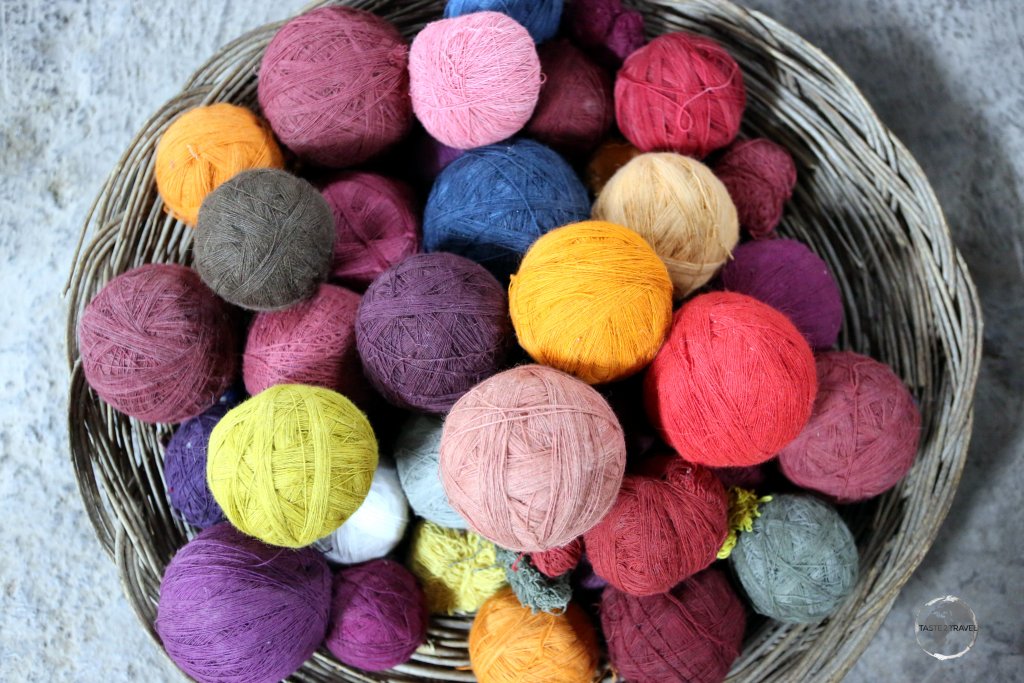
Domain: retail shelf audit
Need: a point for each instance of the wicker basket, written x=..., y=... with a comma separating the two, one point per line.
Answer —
x=862, y=203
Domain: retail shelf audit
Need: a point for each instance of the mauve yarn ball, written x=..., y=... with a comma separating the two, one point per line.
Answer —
x=378, y=616
x=264, y=240
x=430, y=328
x=492, y=203
x=185, y=469
x=760, y=176
x=334, y=85
x=418, y=456
x=157, y=345
x=863, y=434
x=789, y=277
x=233, y=610
x=376, y=225
x=539, y=17
x=606, y=29
x=691, y=634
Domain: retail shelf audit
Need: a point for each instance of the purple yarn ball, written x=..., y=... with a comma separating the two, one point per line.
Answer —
x=430, y=328
x=378, y=615
x=606, y=29
x=185, y=469
x=791, y=278
x=233, y=610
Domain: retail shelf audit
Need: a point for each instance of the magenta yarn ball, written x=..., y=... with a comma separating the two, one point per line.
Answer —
x=378, y=615
x=760, y=176
x=334, y=86
x=185, y=469
x=474, y=79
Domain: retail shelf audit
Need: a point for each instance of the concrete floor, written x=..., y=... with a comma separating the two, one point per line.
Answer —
x=78, y=77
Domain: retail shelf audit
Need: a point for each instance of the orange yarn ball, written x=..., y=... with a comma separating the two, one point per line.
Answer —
x=508, y=642
x=205, y=147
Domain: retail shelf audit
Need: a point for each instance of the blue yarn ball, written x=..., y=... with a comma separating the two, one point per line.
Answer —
x=493, y=202
x=539, y=17
x=185, y=468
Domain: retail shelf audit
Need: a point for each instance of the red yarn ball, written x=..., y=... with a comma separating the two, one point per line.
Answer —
x=557, y=561
x=863, y=434
x=157, y=344
x=680, y=93
x=667, y=523
x=734, y=383
x=691, y=635
x=760, y=176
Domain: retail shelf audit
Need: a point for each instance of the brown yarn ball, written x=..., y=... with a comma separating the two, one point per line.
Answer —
x=607, y=159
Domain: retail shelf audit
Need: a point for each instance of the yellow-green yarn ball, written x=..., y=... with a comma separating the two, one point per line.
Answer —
x=291, y=464
x=458, y=569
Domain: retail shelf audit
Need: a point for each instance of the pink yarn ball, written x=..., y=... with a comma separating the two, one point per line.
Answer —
x=334, y=86
x=474, y=79
x=760, y=176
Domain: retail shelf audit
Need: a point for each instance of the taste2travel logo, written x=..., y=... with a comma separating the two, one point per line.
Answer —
x=946, y=627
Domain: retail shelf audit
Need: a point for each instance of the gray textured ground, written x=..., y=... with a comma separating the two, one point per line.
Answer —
x=77, y=78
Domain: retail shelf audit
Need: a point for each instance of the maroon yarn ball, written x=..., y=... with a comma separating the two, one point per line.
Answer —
x=557, y=561
x=334, y=86
x=605, y=29
x=233, y=610
x=760, y=176
x=185, y=469
x=691, y=634
x=863, y=434
x=378, y=615
x=789, y=277
x=749, y=477
x=157, y=344
x=431, y=328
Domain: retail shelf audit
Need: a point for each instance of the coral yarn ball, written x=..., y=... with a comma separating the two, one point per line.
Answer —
x=185, y=469
x=734, y=383
x=333, y=84
x=458, y=570
x=474, y=79
x=204, y=148
x=863, y=434
x=592, y=299
x=760, y=176
x=157, y=344
x=558, y=561
x=539, y=17
x=681, y=93
x=532, y=458
x=692, y=633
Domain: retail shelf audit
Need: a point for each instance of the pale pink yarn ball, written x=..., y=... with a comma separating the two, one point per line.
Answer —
x=474, y=79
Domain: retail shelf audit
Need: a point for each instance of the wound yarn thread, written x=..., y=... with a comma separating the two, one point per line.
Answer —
x=417, y=456
x=612, y=155
x=458, y=570
x=539, y=17
x=531, y=587
x=555, y=562
x=605, y=29
x=185, y=469
x=760, y=176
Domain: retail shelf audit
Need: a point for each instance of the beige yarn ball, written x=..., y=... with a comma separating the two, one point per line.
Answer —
x=683, y=211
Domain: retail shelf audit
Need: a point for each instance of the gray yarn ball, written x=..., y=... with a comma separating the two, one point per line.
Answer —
x=799, y=562
x=417, y=456
x=264, y=240
x=533, y=589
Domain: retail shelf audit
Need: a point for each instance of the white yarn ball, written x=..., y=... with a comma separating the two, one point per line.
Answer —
x=418, y=455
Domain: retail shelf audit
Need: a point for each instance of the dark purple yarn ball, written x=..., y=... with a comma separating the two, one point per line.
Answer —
x=430, y=328
x=378, y=615
x=791, y=278
x=233, y=610
x=185, y=469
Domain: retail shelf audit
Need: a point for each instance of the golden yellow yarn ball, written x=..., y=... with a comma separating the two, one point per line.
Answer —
x=205, y=147
x=458, y=570
x=678, y=205
x=291, y=464
x=592, y=299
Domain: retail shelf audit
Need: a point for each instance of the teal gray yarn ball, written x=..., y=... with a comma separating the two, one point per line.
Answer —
x=417, y=456
x=533, y=589
x=799, y=562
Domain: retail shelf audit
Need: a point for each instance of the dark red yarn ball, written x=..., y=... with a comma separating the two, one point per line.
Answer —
x=557, y=561
x=760, y=176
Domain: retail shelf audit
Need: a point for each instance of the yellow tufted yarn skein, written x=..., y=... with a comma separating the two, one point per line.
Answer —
x=458, y=570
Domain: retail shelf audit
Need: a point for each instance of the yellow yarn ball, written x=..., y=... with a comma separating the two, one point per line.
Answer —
x=678, y=205
x=592, y=299
x=291, y=464
x=458, y=570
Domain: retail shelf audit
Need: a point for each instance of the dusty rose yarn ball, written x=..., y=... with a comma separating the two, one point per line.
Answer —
x=606, y=29
x=760, y=176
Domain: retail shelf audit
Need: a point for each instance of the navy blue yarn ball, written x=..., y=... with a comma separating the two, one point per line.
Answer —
x=539, y=17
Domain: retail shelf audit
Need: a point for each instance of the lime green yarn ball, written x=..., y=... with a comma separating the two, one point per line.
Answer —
x=291, y=464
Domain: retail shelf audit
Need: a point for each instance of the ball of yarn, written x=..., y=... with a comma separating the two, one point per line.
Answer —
x=157, y=344
x=333, y=84
x=665, y=526
x=575, y=109
x=612, y=155
x=432, y=157
x=799, y=562
x=863, y=434
x=532, y=588
x=791, y=278
x=558, y=561
x=430, y=328
x=592, y=299
x=682, y=93
x=734, y=383
x=539, y=17
x=492, y=203
x=458, y=570
x=185, y=469
x=760, y=176
x=693, y=633
x=418, y=456
x=376, y=528
x=532, y=458
x=205, y=147
x=508, y=642
x=474, y=79
x=680, y=208
x=378, y=616
x=291, y=464
x=264, y=240
x=606, y=29
x=376, y=226
x=233, y=610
